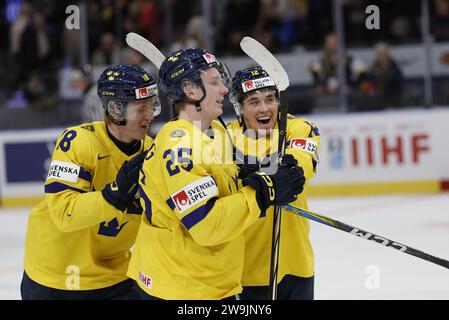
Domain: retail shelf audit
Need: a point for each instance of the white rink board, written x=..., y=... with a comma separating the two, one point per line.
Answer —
x=383, y=147
x=372, y=147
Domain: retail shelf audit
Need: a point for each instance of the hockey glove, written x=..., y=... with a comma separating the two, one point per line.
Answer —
x=123, y=190
x=289, y=161
x=280, y=188
x=247, y=169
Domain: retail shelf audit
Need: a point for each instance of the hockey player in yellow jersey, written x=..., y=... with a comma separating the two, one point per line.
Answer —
x=79, y=237
x=256, y=102
x=190, y=243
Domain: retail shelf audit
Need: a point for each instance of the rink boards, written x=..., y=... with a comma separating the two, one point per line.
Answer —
x=361, y=154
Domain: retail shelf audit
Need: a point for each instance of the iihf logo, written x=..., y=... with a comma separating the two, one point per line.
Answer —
x=335, y=146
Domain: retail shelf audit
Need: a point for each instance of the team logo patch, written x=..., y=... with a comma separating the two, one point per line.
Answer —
x=307, y=145
x=209, y=57
x=146, y=92
x=257, y=84
x=200, y=190
x=64, y=171
x=178, y=133
x=145, y=280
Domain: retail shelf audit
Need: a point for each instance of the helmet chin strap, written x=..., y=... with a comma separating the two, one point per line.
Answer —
x=116, y=122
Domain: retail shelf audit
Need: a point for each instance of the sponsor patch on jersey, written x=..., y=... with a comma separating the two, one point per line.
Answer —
x=209, y=57
x=199, y=190
x=146, y=92
x=307, y=145
x=257, y=84
x=64, y=171
x=145, y=280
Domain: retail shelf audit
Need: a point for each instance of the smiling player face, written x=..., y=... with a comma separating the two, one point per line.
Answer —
x=260, y=109
x=139, y=115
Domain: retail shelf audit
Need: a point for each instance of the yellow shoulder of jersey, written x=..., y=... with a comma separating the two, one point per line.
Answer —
x=301, y=127
x=80, y=144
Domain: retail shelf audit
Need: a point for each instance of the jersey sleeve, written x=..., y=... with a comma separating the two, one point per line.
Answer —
x=303, y=142
x=209, y=206
x=72, y=203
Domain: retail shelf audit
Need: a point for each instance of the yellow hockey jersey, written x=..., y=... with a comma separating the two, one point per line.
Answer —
x=295, y=255
x=75, y=239
x=190, y=243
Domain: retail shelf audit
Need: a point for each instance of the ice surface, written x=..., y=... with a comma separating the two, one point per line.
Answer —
x=347, y=267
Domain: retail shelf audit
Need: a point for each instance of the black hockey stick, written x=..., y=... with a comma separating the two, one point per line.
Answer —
x=271, y=65
x=366, y=235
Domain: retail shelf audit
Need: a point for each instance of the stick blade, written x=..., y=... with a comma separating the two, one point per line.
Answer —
x=145, y=47
x=256, y=51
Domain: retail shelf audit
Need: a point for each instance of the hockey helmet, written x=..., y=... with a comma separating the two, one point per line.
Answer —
x=121, y=84
x=187, y=65
x=248, y=80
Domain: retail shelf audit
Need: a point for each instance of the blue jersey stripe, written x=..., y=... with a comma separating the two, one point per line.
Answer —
x=148, y=211
x=198, y=214
x=171, y=204
x=85, y=175
x=56, y=187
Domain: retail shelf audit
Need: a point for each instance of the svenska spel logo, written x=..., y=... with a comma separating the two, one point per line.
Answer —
x=143, y=92
x=299, y=144
x=181, y=200
x=209, y=57
x=248, y=84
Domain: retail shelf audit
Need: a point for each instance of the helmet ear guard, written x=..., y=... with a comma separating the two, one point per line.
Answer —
x=115, y=111
x=238, y=107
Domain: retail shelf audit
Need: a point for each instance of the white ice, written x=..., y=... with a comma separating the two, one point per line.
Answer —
x=346, y=267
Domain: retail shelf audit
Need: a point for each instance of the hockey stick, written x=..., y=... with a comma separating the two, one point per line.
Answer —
x=365, y=234
x=271, y=65
x=149, y=51
x=146, y=48
x=256, y=51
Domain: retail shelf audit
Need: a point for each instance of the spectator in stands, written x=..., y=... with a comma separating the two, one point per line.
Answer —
x=131, y=56
x=324, y=71
x=108, y=53
x=386, y=76
x=38, y=92
x=401, y=29
x=30, y=43
x=81, y=81
x=150, y=21
x=244, y=18
x=31, y=47
x=18, y=26
x=440, y=21
x=192, y=37
x=18, y=72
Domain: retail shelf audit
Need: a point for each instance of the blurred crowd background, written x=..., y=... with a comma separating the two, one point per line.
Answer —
x=49, y=72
